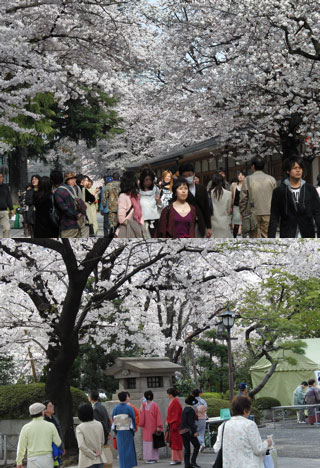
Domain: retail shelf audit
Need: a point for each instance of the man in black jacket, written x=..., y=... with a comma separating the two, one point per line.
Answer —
x=5, y=203
x=189, y=434
x=100, y=413
x=197, y=197
x=295, y=203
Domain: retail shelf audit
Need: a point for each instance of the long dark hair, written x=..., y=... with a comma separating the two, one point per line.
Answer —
x=128, y=183
x=217, y=185
x=44, y=187
x=145, y=173
x=37, y=177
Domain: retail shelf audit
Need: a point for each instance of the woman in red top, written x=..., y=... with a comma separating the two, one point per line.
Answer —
x=179, y=217
x=174, y=419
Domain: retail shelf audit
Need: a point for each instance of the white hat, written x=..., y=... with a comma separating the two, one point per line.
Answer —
x=36, y=408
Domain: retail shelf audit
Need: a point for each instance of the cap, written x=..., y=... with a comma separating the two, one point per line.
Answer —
x=36, y=408
x=242, y=386
x=69, y=175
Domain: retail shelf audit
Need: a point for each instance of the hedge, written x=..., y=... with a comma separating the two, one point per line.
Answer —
x=266, y=403
x=16, y=399
x=215, y=395
x=215, y=405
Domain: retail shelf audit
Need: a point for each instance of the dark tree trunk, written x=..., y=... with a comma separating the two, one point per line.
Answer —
x=289, y=139
x=18, y=170
x=61, y=356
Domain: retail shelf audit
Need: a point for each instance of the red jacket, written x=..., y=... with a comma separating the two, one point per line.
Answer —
x=166, y=226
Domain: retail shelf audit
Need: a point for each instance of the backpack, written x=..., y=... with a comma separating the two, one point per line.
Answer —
x=113, y=195
x=79, y=206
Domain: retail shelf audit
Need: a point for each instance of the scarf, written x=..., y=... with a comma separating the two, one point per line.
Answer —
x=137, y=211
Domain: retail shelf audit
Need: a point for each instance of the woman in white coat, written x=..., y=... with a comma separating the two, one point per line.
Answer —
x=242, y=444
x=90, y=438
x=221, y=201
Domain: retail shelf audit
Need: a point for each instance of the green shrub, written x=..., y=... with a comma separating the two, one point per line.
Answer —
x=16, y=399
x=266, y=403
x=215, y=405
x=215, y=395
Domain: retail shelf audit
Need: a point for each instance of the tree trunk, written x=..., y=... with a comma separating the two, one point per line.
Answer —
x=62, y=352
x=18, y=171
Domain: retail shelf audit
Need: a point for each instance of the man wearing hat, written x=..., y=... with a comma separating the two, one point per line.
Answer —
x=64, y=198
x=244, y=389
x=36, y=439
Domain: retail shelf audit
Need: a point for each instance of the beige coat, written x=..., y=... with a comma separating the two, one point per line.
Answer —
x=261, y=186
x=90, y=437
x=221, y=219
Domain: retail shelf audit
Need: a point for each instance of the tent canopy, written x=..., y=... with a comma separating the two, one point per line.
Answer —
x=287, y=377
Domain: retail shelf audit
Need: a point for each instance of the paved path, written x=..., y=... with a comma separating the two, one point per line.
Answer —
x=17, y=233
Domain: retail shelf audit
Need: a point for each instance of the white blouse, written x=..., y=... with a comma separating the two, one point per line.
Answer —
x=242, y=444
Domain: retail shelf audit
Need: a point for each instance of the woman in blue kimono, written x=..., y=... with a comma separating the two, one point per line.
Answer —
x=124, y=426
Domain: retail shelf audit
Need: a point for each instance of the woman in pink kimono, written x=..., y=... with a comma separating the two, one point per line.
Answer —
x=151, y=421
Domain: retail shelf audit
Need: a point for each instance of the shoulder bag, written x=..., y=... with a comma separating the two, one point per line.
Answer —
x=249, y=219
x=219, y=460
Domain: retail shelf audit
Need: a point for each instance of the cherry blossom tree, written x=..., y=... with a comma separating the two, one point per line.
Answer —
x=159, y=295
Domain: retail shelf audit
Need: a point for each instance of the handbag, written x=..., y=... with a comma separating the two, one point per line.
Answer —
x=219, y=461
x=268, y=460
x=158, y=440
x=249, y=219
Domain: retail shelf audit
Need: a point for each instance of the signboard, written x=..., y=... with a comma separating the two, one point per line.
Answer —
x=225, y=413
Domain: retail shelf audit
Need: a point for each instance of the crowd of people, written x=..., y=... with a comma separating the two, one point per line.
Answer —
x=183, y=427
x=176, y=206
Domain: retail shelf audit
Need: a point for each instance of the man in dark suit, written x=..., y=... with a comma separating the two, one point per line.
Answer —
x=197, y=197
x=100, y=413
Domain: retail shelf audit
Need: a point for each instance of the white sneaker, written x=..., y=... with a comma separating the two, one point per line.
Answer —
x=150, y=462
x=202, y=447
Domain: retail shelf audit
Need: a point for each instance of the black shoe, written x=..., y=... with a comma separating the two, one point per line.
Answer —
x=195, y=465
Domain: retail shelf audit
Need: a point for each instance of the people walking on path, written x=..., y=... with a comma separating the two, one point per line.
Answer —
x=242, y=444
x=295, y=204
x=198, y=197
x=5, y=204
x=72, y=221
x=130, y=216
x=201, y=412
x=257, y=190
x=43, y=201
x=124, y=426
x=36, y=438
x=312, y=398
x=236, y=217
x=110, y=199
x=299, y=399
x=189, y=433
x=221, y=202
x=165, y=185
x=178, y=219
x=30, y=194
x=150, y=201
x=174, y=418
x=151, y=421
x=51, y=417
x=90, y=438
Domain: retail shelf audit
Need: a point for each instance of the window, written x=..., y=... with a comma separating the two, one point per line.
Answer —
x=131, y=383
x=155, y=382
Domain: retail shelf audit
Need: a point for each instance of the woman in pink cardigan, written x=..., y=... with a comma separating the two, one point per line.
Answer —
x=151, y=421
x=129, y=209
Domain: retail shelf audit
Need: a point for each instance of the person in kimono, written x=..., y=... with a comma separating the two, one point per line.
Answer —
x=124, y=426
x=151, y=422
x=174, y=418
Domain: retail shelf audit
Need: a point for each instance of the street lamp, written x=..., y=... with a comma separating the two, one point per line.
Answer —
x=228, y=322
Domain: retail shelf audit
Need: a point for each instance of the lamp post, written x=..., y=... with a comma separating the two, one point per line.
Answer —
x=228, y=322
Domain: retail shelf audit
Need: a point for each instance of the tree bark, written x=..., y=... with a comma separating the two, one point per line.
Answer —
x=18, y=171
